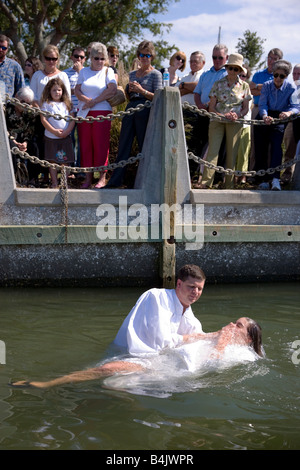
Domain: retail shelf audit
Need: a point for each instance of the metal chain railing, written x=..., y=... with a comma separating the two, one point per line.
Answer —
x=64, y=169
x=216, y=117
x=64, y=178
x=220, y=169
x=90, y=119
x=228, y=171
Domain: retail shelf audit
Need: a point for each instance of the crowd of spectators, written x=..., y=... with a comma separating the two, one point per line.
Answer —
x=86, y=87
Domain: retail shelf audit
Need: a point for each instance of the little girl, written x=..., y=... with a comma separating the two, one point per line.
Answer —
x=58, y=142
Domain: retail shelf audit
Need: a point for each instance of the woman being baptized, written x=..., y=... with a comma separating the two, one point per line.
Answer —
x=244, y=332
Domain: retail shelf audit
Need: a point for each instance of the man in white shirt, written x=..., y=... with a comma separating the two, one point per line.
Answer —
x=163, y=317
x=188, y=83
x=187, y=86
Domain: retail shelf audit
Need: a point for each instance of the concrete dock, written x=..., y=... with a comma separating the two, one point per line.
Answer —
x=117, y=237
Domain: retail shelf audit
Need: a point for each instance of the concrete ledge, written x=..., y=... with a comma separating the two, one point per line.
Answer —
x=247, y=197
x=76, y=197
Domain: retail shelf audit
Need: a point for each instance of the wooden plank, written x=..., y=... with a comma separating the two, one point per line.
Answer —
x=246, y=233
x=87, y=234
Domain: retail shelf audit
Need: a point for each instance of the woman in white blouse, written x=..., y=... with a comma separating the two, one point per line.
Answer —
x=38, y=82
x=95, y=85
x=41, y=77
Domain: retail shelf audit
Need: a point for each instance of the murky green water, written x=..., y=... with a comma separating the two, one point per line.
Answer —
x=50, y=332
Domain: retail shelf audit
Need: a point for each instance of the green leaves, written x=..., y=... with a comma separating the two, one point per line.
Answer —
x=71, y=22
x=250, y=46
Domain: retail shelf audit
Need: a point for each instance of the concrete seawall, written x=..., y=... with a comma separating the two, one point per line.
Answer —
x=244, y=235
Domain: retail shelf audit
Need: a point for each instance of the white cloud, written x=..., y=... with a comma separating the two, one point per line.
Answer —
x=277, y=21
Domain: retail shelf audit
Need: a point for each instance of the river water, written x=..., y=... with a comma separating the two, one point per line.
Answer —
x=46, y=333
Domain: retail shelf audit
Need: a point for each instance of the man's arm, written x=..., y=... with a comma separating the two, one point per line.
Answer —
x=187, y=87
x=255, y=88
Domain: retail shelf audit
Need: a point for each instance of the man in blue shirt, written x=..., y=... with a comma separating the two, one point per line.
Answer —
x=201, y=96
x=258, y=79
x=208, y=78
x=276, y=101
x=11, y=72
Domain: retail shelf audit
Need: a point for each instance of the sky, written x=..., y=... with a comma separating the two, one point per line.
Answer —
x=196, y=25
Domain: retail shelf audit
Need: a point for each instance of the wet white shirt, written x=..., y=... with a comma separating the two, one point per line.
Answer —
x=156, y=322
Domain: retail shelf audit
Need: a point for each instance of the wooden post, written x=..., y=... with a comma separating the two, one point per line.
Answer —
x=169, y=162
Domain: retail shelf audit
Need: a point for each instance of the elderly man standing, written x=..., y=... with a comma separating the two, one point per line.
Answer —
x=11, y=72
x=202, y=91
x=186, y=87
x=188, y=83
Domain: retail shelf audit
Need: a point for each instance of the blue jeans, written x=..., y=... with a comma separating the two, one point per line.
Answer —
x=134, y=125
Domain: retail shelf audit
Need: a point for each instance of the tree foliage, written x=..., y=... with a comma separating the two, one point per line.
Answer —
x=32, y=24
x=251, y=47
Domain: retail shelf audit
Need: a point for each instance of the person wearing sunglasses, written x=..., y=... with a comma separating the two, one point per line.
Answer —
x=113, y=57
x=32, y=64
x=229, y=98
x=95, y=85
x=11, y=72
x=275, y=102
x=177, y=62
x=242, y=163
x=41, y=77
x=201, y=97
x=256, y=83
x=78, y=59
x=142, y=85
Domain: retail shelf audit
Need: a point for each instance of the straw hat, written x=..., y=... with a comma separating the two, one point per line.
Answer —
x=236, y=60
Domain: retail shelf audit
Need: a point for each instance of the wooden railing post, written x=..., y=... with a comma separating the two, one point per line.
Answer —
x=171, y=121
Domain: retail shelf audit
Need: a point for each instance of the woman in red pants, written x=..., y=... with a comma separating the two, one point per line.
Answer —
x=95, y=85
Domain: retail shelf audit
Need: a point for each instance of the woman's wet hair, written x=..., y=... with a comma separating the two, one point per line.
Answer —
x=254, y=331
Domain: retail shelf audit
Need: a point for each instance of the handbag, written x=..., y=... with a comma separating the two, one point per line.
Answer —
x=119, y=97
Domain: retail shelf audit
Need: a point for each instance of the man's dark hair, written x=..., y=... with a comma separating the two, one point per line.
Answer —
x=191, y=270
